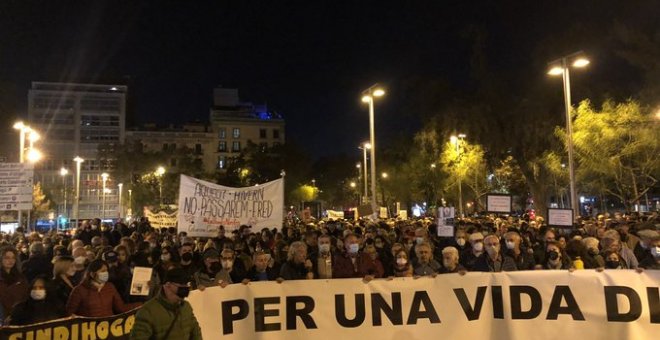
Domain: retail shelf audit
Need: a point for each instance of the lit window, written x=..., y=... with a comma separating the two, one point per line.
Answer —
x=236, y=133
x=236, y=146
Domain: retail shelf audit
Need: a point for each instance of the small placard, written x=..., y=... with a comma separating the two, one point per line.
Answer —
x=560, y=217
x=497, y=203
x=445, y=221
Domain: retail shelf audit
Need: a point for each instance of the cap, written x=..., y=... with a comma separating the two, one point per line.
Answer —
x=110, y=256
x=176, y=275
x=211, y=253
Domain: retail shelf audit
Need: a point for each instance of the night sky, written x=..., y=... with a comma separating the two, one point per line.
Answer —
x=307, y=60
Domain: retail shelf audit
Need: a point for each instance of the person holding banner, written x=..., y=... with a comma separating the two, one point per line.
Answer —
x=168, y=315
x=297, y=266
x=493, y=260
x=354, y=263
x=39, y=307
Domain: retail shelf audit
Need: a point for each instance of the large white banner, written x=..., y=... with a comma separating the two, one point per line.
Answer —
x=161, y=219
x=614, y=304
x=205, y=206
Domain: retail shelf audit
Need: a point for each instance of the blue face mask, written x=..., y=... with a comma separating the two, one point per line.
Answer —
x=353, y=248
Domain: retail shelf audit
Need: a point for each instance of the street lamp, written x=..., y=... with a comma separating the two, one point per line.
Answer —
x=160, y=171
x=364, y=147
x=76, y=203
x=368, y=96
x=63, y=173
x=121, y=206
x=104, y=177
x=456, y=140
x=130, y=203
x=561, y=67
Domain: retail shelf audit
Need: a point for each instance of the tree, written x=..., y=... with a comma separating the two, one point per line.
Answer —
x=465, y=162
x=40, y=202
x=616, y=149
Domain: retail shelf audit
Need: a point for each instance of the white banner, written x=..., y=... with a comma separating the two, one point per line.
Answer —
x=161, y=219
x=16, y=181
x=335, y=214
x=205, y=206
x=614, y=304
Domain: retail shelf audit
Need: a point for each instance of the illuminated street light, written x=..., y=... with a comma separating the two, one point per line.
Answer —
x=63, y=173
x=34, y=155
x=104, y=177
x=160, y=171
x=76, y=202
x=384, y=175
x=364, y=147
x=121, y=206
x=353, y=185
x=579, y=61
x=368, y=96
x=455, y=140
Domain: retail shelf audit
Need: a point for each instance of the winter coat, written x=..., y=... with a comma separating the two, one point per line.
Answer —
x=156, y=316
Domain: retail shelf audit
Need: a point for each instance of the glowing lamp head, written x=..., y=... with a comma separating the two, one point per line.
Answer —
x=105, y=176
x=19, y=125
x=64, y=172
x=353, y=184
x=160, y=171
x=581, y=62
x=378, y=93
x=367, y=146
x=556, y=71
x=34, y=155
x=453, y=139
x=366, y=99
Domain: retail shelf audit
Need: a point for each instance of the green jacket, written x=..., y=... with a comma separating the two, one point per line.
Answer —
x=155, y=317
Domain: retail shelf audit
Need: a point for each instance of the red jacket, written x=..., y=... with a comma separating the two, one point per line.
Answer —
x=343, y=266
x=87, y=300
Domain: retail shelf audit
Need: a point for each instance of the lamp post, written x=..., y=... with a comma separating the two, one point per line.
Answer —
x=159, y=173
x=561, y=67
x=76, y=203
x=104, y=177
x=368, y=96
x=130, y=203
x=456, y=140
x=63, y=173
x=120, y=205
x=364, y=147
x=22, y=130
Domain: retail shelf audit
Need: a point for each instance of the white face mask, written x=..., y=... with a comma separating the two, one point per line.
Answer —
x=38, y=294
x=479, y=246
x=102, y=277
x=510, y=244
x=80, y=260
x=401, y=262
x=419, y=240
x=324, y=248
x=460, y=242
x=353, y=248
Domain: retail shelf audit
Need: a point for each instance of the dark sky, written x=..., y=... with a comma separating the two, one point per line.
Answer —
x=309, y=60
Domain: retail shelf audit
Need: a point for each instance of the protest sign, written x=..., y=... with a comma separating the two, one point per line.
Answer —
x=161, y=219
x=614, y=304
x=205, y=206
x=560, y=217
x=498, y=203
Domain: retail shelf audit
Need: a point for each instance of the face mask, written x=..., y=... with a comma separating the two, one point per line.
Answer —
x=460, y=242
x=353, y=248
x=655, y=251
x=38, y=294
x=378, y=245
x=553, y=255
x=492, y=250
x=187, y=257
x=183, y=292
x=165, y=257
x=478, y=246
x=510, y=244
x=401, y=261
x=80, y=260
x=227, y=264
x=324, y=248
x=419, y=240
x=102, y=277
x=612, y=264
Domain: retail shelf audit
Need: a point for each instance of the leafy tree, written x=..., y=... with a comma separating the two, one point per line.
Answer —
x=465, y=162
x=40, y=202
x=617, y=149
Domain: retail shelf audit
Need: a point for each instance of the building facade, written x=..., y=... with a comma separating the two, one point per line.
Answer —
x=192, y=137
x=236, y=123
x=76, y=120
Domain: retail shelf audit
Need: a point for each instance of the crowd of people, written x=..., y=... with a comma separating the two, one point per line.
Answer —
x=53, y=275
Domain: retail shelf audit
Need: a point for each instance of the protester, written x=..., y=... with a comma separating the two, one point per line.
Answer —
x=61, y=284
x=652, y=262
x=425, y=264
x=13, y=285
x=95, y=296
x=168, y=315
x=353, y=262
x=523, y=259
x=450, y=261
x=555, y=257
x=297, y=266
x=493, y=260
x=39, y=306
x=476, y=249
x=37, y=264
x=261, y=269
x=402, y=265
x=322, y=259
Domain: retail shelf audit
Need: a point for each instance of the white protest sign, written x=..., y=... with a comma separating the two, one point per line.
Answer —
x=335, y=214
x=498, y=203
x=205, y=206
x=445, y=221
x=560, y=217
x=16, y=185
x=161, y=219
x=548, y=304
